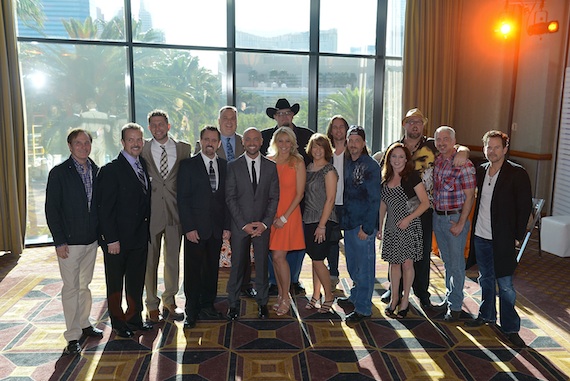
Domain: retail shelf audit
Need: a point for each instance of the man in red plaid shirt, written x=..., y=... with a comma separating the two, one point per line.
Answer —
x=454, y=193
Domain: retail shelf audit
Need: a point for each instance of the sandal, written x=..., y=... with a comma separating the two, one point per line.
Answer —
x=312, y=305
x=326, y=307
x=402, y=313
x=389, y=311
x=278, y=303
x=284, y=307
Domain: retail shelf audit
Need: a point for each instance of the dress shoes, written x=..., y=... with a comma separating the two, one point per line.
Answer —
x=250, y=292
x=516, y=340
x=355, y=317
x=174, y=312
x=92, y=332
x=262, y=311
x=123, y=332
x=233, y=313
x=209, y=313
x=155, y=317
x=189, y=322
x=386, y=296
x=476, y=322
x=452, y=316
x=344, y=302
x=143, y=326
x=72, y=348
x=442, y=306
x=298, y=288
x=273, y=290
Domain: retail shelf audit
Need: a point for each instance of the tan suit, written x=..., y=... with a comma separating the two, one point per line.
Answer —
x=164, y=222
x=221, y=152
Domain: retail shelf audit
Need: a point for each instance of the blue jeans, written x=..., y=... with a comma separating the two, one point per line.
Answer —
x=452, y=249
x=295, y=261
x=361, y=265
x=510, y=319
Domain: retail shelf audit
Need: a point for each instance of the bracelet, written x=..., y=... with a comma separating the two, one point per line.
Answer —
x=283, y=219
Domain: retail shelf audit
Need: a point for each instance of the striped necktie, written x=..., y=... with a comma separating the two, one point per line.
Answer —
x=230, y=150
x=140, y=175
x=163, y=162
x=212, y=175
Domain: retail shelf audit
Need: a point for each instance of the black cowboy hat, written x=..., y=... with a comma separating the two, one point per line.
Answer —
x=281, y=104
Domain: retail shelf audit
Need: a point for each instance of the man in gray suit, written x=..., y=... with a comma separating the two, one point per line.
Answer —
x=252, y=195
x=231, y=145
x=163, y=155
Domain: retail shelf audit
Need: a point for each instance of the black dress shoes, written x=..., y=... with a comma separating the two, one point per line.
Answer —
x=143, y=326
x=189, y=322
x=516, y=340
x=250, y=292
x=123, y=332
x=442, y=306
x=92, y=332
x=344, y=302
x=72, y=348
x=262, y=311
x=355, y=317
x=209, y=313
x=452, y=316
x=476, y=322
x=233, y=313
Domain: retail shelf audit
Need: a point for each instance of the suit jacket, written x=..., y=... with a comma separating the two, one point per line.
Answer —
x=163, y=200
x=302, y=134
x=123, y=207
x=68, y=216
x=510, y=209
x=221, y=152
x=245, y=206
x=199, y=208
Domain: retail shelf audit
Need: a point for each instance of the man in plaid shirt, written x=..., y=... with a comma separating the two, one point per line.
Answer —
x=454, y=193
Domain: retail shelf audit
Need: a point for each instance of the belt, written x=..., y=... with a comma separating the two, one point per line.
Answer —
x=448, y=212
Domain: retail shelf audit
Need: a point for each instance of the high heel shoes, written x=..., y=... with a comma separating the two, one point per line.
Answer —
x=278, y=303
x=284, y=307
x=312, y=305
x=402, y=313
x=326, y=307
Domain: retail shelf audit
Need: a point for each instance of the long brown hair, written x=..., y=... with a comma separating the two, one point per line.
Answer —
x=388, y=171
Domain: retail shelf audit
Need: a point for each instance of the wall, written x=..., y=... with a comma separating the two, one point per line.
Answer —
x=485, y=83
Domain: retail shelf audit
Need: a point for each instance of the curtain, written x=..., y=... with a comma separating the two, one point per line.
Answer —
x=431, y=51
x=12, y=147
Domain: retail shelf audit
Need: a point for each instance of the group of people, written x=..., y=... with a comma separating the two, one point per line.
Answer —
x=281, y=192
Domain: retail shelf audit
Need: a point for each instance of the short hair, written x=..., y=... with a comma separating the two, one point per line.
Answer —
x=445, y=128
x=76, y=131
x=496, y=134
x=131, y=126
x=157, y=112
x=388, y=170
x=224, y=108
x=273, y=151
x=329, y=127
x=210, y=128
x=322, y=141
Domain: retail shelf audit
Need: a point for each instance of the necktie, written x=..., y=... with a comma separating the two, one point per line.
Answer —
x=212, y=175
x=230, y=150
x=253, y=176
x=163, y=162
x=140, y=174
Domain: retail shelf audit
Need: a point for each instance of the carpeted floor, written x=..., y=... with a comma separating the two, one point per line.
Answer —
x=299, y=346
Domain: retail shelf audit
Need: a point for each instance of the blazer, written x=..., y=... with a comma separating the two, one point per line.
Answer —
x=123, y=206
x=303, y=134
x=245, y=206
x=69, y=218
x=511, y=206
x=163, y=200
x=199, y=208
x=221, y=152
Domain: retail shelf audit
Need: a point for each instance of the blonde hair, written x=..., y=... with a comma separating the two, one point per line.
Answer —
x=273, y=151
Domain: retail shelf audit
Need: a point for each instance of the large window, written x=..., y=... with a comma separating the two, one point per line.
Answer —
x=101, y=63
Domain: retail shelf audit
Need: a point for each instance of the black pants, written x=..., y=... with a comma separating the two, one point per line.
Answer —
x=201, y=266
x=128, y=268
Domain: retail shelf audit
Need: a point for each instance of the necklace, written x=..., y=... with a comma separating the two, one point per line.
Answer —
x=491, y=177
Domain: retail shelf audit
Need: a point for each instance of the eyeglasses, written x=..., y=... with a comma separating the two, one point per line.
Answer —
x=283, y=113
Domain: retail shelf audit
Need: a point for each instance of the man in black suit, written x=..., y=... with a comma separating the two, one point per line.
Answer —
x=123, y=195
x=72, y=219
x=252, y=195
x=202, y=209
x=504, y=203
x=283, y=113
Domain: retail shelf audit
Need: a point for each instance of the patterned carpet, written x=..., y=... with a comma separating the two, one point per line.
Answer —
x=298, y=346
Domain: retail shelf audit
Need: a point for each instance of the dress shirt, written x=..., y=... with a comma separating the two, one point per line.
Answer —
x=450, y=181
x=156, y=151
x=257, y=166
x=132, y=160
x=86, y=175
x=232, y=142
x=214, y=164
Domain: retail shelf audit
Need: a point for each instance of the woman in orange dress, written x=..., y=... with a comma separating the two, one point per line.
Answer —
x=287, y=229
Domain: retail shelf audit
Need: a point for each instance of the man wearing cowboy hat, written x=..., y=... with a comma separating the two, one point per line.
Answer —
x=283, y=114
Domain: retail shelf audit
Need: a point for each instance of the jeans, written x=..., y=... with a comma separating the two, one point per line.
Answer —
x=421, y=267
x=510, y=319
x=361, y=265
x=451, y=249
x=295, y=261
